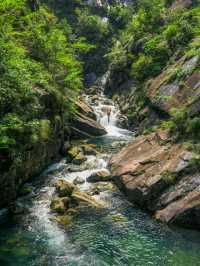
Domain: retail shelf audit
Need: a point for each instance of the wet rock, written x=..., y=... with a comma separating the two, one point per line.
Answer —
x=89, y=149
x=77, y=168
x=74, y=151
x=79, y=159
x=79, y=180
x=99, y=176
x=103, y=186
x=87, y=125
x=82, y=197
x=60, y=205
x=64, y=188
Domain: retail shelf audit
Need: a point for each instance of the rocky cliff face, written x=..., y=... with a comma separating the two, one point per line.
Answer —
x=157, y=175
x=157, y=171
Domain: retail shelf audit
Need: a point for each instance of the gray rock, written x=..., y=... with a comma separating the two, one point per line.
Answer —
x=79, y=180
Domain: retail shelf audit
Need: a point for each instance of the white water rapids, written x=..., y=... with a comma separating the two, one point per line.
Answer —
x=39, y=216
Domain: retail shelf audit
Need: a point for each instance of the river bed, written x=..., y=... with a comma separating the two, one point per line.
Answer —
x=119, y=234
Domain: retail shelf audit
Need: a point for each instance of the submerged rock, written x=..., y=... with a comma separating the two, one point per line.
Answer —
x=64, y=220
x=99, y=176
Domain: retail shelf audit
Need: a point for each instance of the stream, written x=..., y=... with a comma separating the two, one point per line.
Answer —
x=118, y=234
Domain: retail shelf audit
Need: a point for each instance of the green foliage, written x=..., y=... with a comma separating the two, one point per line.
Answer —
x=193, y=127
x=40, y=67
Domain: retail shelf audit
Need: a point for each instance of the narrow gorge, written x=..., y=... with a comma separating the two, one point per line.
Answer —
x=99, y=133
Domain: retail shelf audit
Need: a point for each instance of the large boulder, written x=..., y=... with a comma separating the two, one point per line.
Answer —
x=154, y=174
x=86, y=126
x=84, y=108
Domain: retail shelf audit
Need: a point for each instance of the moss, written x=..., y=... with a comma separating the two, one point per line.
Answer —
x=25, y=190
x=45, y=129
x=169, y=177
x=73, y=152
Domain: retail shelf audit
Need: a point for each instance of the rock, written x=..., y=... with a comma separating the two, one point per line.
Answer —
x=94, y=98
x=60, y=205
x=79, y=159
x=184, y=212
x=79, y=180
x=74, y=151
x=94, y=90
x=85, y=109
x=77, y=168
x=88, y=126
x=118, y=144
x=166, y=92
x=103, y=186
x=64, y=220
x=89, y=149
x=156, y=177
x=99, y=176
x=82, y=197
x=64, y=188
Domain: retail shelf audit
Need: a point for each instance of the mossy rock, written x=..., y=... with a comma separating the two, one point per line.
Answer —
x=74, y=151
x=84, y=198
x=79, y=159
x=60, y=205
x=89, y=149
x=64, y=188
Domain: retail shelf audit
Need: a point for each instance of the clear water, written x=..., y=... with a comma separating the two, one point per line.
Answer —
x=119, y=234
